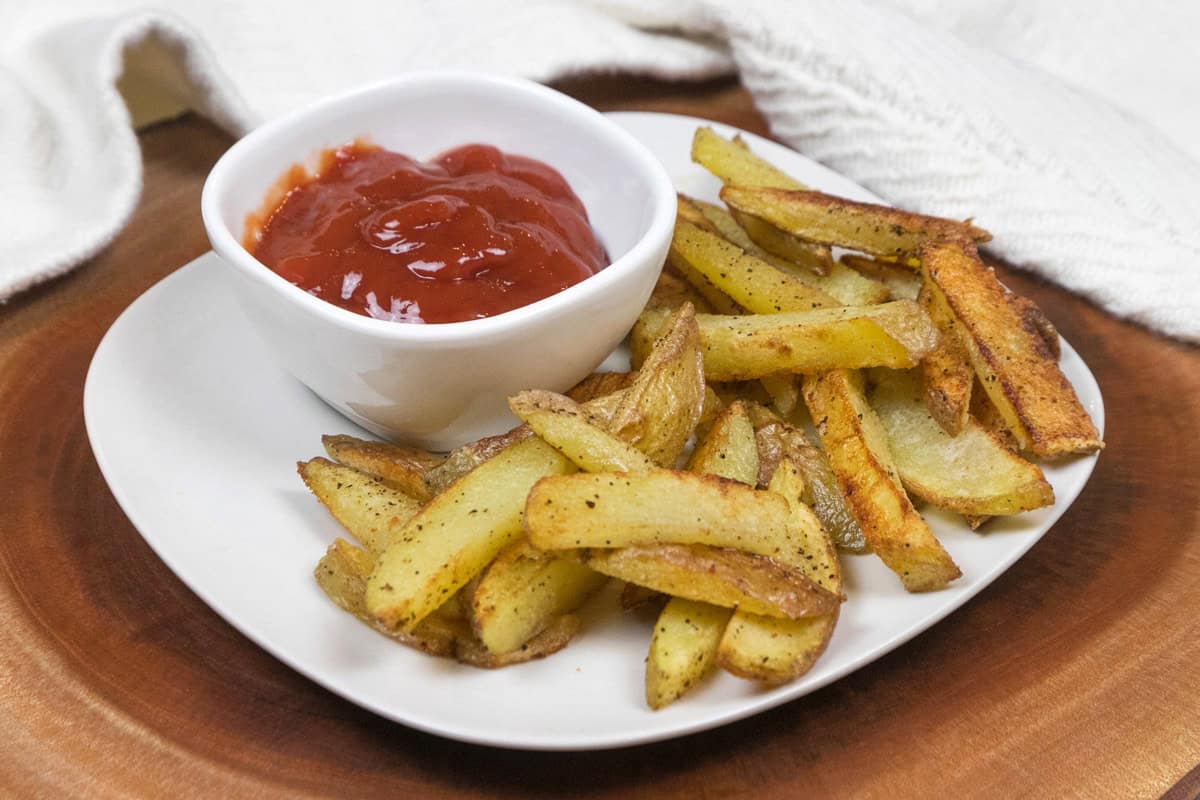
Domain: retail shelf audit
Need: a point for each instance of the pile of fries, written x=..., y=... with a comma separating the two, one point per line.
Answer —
x=922, y=376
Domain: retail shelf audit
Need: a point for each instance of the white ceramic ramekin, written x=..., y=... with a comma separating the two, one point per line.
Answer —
x=440, y=385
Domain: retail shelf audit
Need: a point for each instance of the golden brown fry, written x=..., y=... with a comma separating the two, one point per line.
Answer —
x=784, y=389
x=984, y=412
x=814, y=257
x=689, y=212
x=401, y=468
x=1035, y=321
x=598, y=385
x=714, y=298
x=371, y=512
x=751, y=282
x=837, y=280
x=458, y=533
x=972, y=473
x=866, y=227
x=1015, y=368
x=523, y=591
x=732, y=162
x=672, y=290
x=896, y=334
x=947, y=369
x=619, y=510
x=554, y=637
x=857, y=446
x=683, y=649
x=567, y=428
x=720, y=576
x=466, y=458
x=659, y=411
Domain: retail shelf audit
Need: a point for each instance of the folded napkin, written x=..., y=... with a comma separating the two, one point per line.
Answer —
x=1069, y=130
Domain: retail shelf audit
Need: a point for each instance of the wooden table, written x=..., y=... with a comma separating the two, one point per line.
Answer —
x=1077, y=673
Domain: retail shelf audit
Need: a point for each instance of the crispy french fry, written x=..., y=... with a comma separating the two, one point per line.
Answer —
x=523, y=591
x=1035, y=321
x=569, y=431
x=751, y=282
x=714, y=298
x=733, y=162
x=554, y=637
x=659, y=411
x=972, y=473
x=373, y=513
x=857, y=446
x=946, y=369
x=778, y=650
x=618, y=510
x=401, y=468
x=1016, y=369
x=458, y=533
x=599, y=385
x=466, y=458
x=866, y=227
x=812, y=256
x=837, y=280
x=683, y=649
x=896, y=334
x=689, y=212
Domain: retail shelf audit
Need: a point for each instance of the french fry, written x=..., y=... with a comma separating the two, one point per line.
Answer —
x=458, y=533
x=720, y=576
x=714, y=298
x=866, y=227
x=554, y=637
x=373, y=513
x=523, y=591
x=946, y=369
x=401, y=468
x=599, y=385
x=683, y=649
x=896, y=334
x=659, y=411
x=462, y=460
x=671, y=290
x=570, y=432
x=837, y=280
x=1016, y=369
x=784, y=392
x=734, y=163
x=775, y=650
x=752, y=283
x=618, y=510
x=972, y=473
x=857, y=446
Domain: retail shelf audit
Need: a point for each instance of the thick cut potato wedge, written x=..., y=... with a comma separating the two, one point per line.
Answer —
x=857, y=446
x=401, y=468
x=458, y=533
x=1016, y=369
x=600, y=385
x=866, y=227
x=659, y=411
x=619, y=510
x=718, y=301
x=466, y=458
x=947, y=369
x=901, y=281
x=896, y=334
x=751, y=282
x=984, y=412
x=1036, y=321
x=812, y=256
x=683, y=649
x=523, y=591
x=570, y=432
x=778, y=441
x=554, y=637
x=729, y=450
x=777, y=650
x=720, y=576
x=837, y=280
x=374, y=514
x=972, y=473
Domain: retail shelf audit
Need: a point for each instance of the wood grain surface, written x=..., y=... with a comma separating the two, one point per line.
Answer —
x=1076, y=674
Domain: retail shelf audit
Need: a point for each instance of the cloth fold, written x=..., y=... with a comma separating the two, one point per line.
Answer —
x=975, y=108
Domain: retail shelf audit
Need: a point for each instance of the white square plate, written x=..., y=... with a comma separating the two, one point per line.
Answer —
x=197, y=431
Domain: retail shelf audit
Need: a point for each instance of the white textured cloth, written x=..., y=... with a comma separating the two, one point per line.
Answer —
x=1071, y=130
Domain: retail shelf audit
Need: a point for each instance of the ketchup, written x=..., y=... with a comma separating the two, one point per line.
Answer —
x=472, y=233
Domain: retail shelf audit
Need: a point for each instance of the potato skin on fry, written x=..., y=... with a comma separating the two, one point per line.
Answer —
x=401, y=468
x=372, y=512
x=1015, y=367
x=857, y=448
x=946, y=369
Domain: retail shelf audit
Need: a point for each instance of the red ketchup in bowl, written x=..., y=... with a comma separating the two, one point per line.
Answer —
x=471, y=233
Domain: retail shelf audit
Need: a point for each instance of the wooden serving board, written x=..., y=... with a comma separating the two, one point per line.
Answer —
x=1077, y=673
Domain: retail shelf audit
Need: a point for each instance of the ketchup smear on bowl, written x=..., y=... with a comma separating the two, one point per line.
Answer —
x=472, y=233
